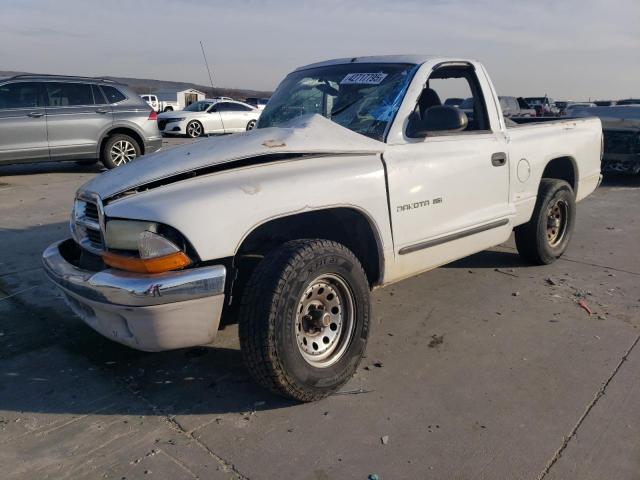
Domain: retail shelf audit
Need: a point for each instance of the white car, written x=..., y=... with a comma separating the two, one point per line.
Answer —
x=357, y=177
x=209, y=116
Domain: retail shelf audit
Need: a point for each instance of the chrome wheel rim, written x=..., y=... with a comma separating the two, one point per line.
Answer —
x=251, y=125
x=325, y=320
x=122, y=152
x=194, y=129
x=557, y=216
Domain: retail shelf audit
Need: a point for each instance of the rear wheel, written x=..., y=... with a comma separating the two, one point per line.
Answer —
x=304, y=319
x=118, y=150
x=194, y=129
x=251, y=125
x=168, y=109
x=546, y=236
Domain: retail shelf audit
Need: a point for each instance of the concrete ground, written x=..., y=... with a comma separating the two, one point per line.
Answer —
x=483, y=369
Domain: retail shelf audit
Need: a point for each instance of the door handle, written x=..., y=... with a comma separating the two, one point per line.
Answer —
x=35, y=114
x=102, y=110
x=498, y=159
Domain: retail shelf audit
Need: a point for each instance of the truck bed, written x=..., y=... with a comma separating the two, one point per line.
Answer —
x=522, y=121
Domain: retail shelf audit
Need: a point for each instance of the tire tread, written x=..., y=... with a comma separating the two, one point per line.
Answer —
x=263, y=293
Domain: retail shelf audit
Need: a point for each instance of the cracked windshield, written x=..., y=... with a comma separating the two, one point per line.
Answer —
x=361, y=97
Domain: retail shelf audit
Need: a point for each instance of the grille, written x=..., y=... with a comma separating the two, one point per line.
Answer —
x=91, y=211
x=86, y=228
x=621, y=142
x=95, y=237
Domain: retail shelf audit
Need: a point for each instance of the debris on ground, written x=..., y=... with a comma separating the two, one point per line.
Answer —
x=373, y=476
x=515, y=294
x=584, y=306
x=436, y=340
x=384, y=439
x=506, y=272
x=378, y=364
x=352, y=392
x=550, y=281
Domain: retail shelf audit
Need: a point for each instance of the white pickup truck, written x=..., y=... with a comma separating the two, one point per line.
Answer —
x=356, y=177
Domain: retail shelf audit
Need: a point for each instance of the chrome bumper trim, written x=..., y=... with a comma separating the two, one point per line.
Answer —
x=133, y=289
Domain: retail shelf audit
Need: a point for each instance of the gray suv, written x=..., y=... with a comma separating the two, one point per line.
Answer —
x=49, y=118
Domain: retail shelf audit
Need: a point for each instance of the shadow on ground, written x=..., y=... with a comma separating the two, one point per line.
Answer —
x=619, y=180
x=49, y=167
x=79, y=371
x=490, y=259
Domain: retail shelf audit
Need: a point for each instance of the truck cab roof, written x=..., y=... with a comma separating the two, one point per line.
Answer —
x=407, y=59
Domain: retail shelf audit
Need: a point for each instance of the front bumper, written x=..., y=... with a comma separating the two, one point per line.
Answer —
x=146, y=312
x=173, y=128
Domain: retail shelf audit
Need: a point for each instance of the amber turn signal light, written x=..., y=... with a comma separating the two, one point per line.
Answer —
x=174, y=261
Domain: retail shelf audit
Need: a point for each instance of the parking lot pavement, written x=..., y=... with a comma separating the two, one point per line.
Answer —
x=484, y=368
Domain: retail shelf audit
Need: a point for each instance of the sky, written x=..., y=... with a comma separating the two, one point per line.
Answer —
x=568, y=49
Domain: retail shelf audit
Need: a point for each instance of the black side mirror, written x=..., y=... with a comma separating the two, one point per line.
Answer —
x=437, y=119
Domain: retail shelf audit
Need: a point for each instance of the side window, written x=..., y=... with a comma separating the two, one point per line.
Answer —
x=224, y=107
x=241, y=108
x=20, y=95
x=61, y=94
x=98, y=98
x=113, y=94
x=455, y=81
x=232, y=107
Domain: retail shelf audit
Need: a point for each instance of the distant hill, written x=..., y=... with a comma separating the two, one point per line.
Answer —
x=148, y=85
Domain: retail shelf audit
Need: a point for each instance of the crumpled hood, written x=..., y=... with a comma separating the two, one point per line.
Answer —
x=308, y=134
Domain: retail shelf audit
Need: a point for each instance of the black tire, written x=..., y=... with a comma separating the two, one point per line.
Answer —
x=536, y=240
x=269, y=318
x=251, y=125
x=194, y=129
x=168, y=109
x=109, y=157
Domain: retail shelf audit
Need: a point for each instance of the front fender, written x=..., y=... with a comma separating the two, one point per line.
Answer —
x=216, y=212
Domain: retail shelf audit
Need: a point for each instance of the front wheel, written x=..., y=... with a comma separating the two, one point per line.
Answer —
x=546, y=236
x=251, y=125
x=304, y=319
x=168, y=109
x=194, y=129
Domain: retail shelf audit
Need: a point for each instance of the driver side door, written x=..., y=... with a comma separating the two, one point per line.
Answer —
x=449, y=191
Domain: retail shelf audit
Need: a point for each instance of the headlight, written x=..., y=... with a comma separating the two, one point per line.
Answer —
x=123, y=234
x=155, y=252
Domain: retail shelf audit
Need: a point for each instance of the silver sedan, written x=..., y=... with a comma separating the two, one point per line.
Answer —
x=209, y=116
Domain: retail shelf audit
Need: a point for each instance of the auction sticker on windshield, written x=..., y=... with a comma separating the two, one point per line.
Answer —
x=363, y=79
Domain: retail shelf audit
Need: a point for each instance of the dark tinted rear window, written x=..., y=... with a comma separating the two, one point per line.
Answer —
x=61, y=94
x=20, y=95
x=113, y=94
x=98, y=97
